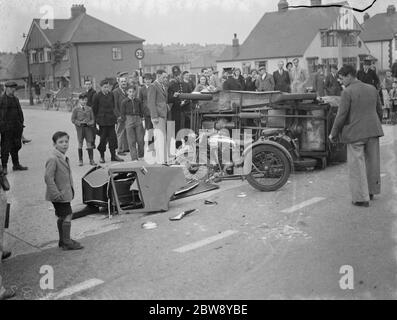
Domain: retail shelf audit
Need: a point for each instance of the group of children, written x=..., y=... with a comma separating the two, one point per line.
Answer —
x=390, y=103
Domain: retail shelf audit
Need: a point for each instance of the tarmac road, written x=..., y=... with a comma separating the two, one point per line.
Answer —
x=289, y=244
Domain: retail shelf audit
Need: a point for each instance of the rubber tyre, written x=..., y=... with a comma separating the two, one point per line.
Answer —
x=284, y=159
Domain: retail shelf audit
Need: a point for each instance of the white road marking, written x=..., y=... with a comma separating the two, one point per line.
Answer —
x=83, y=286
x=205, y=242
x=303, y=204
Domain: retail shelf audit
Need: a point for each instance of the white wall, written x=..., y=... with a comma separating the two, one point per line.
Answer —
x=380, y=50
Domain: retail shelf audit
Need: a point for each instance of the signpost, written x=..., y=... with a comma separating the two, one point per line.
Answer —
x=140, y=54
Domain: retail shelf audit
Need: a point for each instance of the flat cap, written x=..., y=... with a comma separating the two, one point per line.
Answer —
x=11, y=84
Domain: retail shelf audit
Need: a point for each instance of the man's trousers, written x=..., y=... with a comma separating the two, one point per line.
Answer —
x=3, y=208
x=160, y=140
x=122, y=143
x=107, y=134
x=363, y=159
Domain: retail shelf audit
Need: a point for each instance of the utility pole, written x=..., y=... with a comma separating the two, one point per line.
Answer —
x=29, y=73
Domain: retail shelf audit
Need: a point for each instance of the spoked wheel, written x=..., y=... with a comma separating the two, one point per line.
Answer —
x=194, y=166
x=270, y=168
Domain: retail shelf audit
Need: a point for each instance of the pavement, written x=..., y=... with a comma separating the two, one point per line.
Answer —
x=288, y=244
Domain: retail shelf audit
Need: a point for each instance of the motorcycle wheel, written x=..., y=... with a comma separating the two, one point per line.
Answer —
x=270, y=168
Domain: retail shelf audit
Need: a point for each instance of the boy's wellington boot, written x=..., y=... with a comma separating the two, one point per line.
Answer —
x=102, y=160
x=80, y=157
x=59, y=224
x=68, y=243
x=91, y=157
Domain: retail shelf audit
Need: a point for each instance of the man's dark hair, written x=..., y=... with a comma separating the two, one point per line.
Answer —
x=103, y=82
x=83, y=96
x=184, y=72
x=147, y=76
x=160, y=71
x=346, y=70
x=59, y=134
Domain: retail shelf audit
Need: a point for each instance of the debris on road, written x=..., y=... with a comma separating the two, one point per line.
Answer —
x=182, y=215
x=149, y=225
x=284, y=232
x=210, y=203
x=241, y=195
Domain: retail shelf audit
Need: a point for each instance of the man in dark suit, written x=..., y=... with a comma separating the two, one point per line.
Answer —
x=174, y=88
x=142, y=95
x=358, y=122
x=332, y=85
x=90, y=92
x=231, y=83
x=367, y=75
x=119, y=95
x=281, y=79
x=158, y=105
x=319, y=81
x=103, y=108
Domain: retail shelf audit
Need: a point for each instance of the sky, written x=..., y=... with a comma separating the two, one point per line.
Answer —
x=158, y=21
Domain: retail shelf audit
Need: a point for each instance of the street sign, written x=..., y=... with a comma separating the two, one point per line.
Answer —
x=139, y=54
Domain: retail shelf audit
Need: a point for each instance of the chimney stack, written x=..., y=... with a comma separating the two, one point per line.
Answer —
x=315, y=2
x=283, y=6
x=391, y=9
x=235, y=46
x=366, y=16
x=77, y=10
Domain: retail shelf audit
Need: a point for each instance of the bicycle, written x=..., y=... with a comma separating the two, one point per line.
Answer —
x=50, y=100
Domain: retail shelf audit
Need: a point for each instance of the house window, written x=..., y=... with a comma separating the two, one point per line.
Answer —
x=328, y=62
x=349, y=40
x=116, y=54
x=246, y=68
x=33, y=57
x=259, y=64
x=41, y=56
x=66, y=55
x=328, y=39
x=47, y=55
x=351, y=61
x=312, y=64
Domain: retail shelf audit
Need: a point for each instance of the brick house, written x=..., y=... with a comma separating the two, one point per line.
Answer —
x=324, y=35
x=92, y=50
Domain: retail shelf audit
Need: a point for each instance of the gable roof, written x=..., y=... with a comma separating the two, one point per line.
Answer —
x=13, y=67
x=286, y=34
x=157, y=58
x=85, y=29
x=381, y=26
x=205, y=60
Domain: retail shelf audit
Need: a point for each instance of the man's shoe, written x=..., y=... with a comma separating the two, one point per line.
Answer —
x=121, y=154
x=24, y=141
x=102, y=160
x=73, y=245
x=117, y=159
x=93, y=163
x=5, y=255
x=19, y=168
x=81, y=163
x=361, y=204
x=8, y=294
x=371, y=197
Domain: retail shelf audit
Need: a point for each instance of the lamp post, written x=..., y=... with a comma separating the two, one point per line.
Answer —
x=29, y=73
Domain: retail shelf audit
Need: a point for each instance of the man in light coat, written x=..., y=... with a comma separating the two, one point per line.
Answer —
x=157, y=100
x=358, y=122
x=265, y=81
x=299, y=78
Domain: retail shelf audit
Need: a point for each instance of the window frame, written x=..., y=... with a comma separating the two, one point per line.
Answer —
x=117, y=50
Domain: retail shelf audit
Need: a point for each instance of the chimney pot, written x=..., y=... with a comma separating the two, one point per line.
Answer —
x=283, y=6
x=77, y=10
x=391, y=9
x=366, y=16
x=315, y=2
x=235, y=46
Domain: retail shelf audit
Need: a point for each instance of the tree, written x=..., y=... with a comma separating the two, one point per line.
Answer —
x=58, y=51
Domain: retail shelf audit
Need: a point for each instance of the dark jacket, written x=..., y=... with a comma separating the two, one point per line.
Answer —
x=90, y=95
x=332, y=85
x=266, y=84
x=231, y=84
x=241, y=81
x=250, y=84
x=157, y=100
x=119, y=96
x=142, y=96
x=319, y=84
x=281, y=81
x=359, y=113
x=394, y=70
x=103, y=107
x=11, y=115
x=131, y=108
x=369, y=77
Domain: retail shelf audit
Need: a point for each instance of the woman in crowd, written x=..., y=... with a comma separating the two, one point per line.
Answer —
x=237, y=75
x=203, y=84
